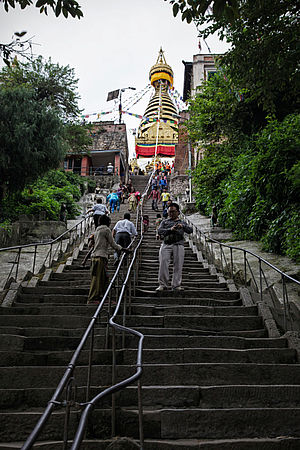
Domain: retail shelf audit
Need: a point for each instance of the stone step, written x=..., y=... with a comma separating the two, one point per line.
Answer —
x=169, y=331
x=212, y=323
x=52, y=298
x=190, y=293
x=51, y=321
x=203, y=374
x=278, y=443
x=155, y=356
x=19, y=424
x=157, y=299
x=31, y=331
x=49, y=309
x=247, y=396
x=187, y=284
x=57, y=342
x=227, y=423
x=200, y=310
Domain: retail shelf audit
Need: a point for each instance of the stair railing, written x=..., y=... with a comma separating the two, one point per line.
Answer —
x=68, y=380
x=64, y=242
x=211, y=248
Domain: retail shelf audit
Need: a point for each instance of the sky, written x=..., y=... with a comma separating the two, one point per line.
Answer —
x=113, y=46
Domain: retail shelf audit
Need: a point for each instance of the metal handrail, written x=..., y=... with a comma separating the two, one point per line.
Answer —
x=68, y=375
x=80, y=229
x=209, y=253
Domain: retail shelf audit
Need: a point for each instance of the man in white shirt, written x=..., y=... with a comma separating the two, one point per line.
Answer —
x=123, y=232
x=98, y=210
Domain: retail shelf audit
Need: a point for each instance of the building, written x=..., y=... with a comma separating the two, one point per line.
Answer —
x=202, y=67
x=196, y=72
x=109, y=146
x=159, y=123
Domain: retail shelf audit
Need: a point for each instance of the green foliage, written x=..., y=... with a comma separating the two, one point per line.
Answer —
x=30, y=137
x=65, y=7
x=77, y=138
x=193, y=9
x=264, y=52
x=255, y=187
x=46, y=195
x=53, y=84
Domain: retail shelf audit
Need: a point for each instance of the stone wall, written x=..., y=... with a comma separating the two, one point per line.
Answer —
x=29, y=231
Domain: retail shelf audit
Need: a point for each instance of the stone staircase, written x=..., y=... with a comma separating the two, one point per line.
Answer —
x=212, y=378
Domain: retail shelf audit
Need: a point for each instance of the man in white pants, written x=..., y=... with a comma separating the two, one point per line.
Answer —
x=172, y=231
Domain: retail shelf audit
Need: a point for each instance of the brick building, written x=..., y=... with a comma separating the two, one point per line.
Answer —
x=109, y=146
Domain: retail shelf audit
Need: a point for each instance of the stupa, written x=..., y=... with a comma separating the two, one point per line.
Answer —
x=160, y=107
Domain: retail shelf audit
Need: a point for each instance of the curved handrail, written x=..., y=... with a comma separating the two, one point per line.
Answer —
x=83, y=223
x=122, y=384
x=284, y=276
x=72, y=365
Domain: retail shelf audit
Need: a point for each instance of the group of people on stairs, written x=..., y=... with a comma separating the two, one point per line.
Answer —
x=170, y=230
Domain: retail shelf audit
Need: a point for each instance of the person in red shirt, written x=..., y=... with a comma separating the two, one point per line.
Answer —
x=155, y=198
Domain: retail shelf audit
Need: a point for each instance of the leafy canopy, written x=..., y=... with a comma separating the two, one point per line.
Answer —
x=64, y=7
x=53, y=84
x=31, y=137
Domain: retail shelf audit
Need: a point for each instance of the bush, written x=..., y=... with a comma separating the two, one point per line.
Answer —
x=46, y=195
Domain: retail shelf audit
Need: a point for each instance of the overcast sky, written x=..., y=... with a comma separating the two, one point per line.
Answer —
x=113, y=46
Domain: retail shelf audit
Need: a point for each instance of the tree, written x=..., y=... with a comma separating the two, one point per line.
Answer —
x=78, y=138
x=196, y=9
x=30, y=138
x=264, y=53
x=65, y=7
x=54, y=84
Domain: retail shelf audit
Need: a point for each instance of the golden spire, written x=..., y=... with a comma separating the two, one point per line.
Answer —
x=161, y=70
x=161, y=78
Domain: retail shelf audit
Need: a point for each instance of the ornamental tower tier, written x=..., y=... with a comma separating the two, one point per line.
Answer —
x=160, y=107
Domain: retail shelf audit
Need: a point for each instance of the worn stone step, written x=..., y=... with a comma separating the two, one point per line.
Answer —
x=52, y=289
x=242, y=333
x=157, y=299
x=190, y=293
x=19, y=424
x=168, y=396
x=155, y=310
x=41, y=331
x=187, y=284
x=54, y=321
x=190, y=341
x=209, y=355
x=52, y=298
x=203, y=374
x=215, y=423
x=213, y=323
x=280, y=443
x=52, y=309
x=166, y=356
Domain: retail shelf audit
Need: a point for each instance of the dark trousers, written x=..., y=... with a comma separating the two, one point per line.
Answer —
x=122, y=238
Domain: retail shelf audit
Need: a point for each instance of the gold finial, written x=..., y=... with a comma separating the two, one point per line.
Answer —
x=161, y=70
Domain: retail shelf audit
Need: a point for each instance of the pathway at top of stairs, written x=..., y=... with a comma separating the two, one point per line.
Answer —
x=212, y=378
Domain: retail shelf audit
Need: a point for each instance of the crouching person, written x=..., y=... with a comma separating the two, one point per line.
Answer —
x=102, y=241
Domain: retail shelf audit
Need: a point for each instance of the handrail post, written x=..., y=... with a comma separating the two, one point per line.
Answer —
x=260, y=280
x=231, y=262
x=284, y=304
x=18, y=262
x=34, y=258
x=245, y=268
x=140, y=405
x=89, y=374
x=50, y=254
x=113, y=381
